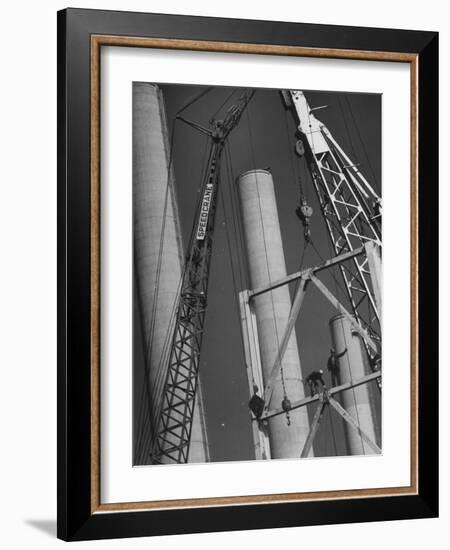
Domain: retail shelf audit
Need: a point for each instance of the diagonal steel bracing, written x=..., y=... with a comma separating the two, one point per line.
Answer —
x=325, y=399
x=305, y=276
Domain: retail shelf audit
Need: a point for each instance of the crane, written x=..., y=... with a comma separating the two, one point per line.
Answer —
x=349, y=205
x=172, y=435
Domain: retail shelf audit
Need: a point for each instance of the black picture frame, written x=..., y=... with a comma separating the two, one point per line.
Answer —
x=77, y=518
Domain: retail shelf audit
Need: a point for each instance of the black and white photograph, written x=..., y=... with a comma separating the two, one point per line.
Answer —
x=257, y=279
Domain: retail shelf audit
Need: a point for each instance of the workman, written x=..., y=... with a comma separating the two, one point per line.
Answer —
x=256, y=403
x=316, y=382
x=333, y=365
x=375, y=362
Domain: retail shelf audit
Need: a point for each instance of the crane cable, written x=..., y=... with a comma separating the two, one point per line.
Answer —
x=237, y=222
x=347, y=129
x=299, y=176
x=295, y=178
x=368, y=162
x=161, y=244
x=238, y=232
x=149, y=342
x=162, y=372
x=148, y=430
x=159, y=382
x=226, y=100
x=143, y=425
x=193, y=100
x=303, y=194
x=151, y=395
x=285, y=398
x=291, y=152
x=362, y=142
x=170, y=334
x=235, y=273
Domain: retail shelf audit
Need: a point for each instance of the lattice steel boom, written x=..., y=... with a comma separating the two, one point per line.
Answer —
x=350, y=207
x=172, y=437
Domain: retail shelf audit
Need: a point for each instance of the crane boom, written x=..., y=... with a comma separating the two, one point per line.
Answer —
x=172, y=436
x=350, y=206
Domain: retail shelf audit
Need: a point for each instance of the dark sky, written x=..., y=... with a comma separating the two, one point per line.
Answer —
x=265, y=137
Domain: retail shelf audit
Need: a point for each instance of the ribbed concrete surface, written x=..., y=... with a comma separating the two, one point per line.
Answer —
x=355, y=401
x=266, y=263
x=157, y=236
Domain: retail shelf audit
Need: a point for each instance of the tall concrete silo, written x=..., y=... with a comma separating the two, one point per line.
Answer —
x=356, y=401
x=266, y=263
x=158, y=249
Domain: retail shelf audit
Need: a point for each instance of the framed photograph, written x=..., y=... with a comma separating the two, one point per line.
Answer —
x=247, y=257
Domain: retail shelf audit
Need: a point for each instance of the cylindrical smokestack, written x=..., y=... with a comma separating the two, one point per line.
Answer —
x=158, y=250
x=266, y=263
x=356, y=401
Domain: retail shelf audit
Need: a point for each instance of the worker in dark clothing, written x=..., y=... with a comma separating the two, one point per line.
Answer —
x=256, y=403
x=304, y=212
x=333, y=366
x=316, y=382
x=376, y=209
x=375, y=362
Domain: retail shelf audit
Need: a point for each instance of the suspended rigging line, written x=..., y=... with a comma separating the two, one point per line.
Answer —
x=237, y=236
x=158, y=402
x=149, y=340
x=238, y=231
x=156, y=406
x=148, y=431
x=238, y=228
x=266, y=255
x=153, y=399
x=193, y=100
x=226, y=100
x=230, y=254
x=300, y=267
x=158, y=383
x=142, y=418
x=160, y=374
x=175, y=417
x=347, y=129
x=145, y=426
x=362, y=143
x=295, y=177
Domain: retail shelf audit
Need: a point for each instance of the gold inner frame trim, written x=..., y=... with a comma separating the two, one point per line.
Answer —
x=97, y=41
